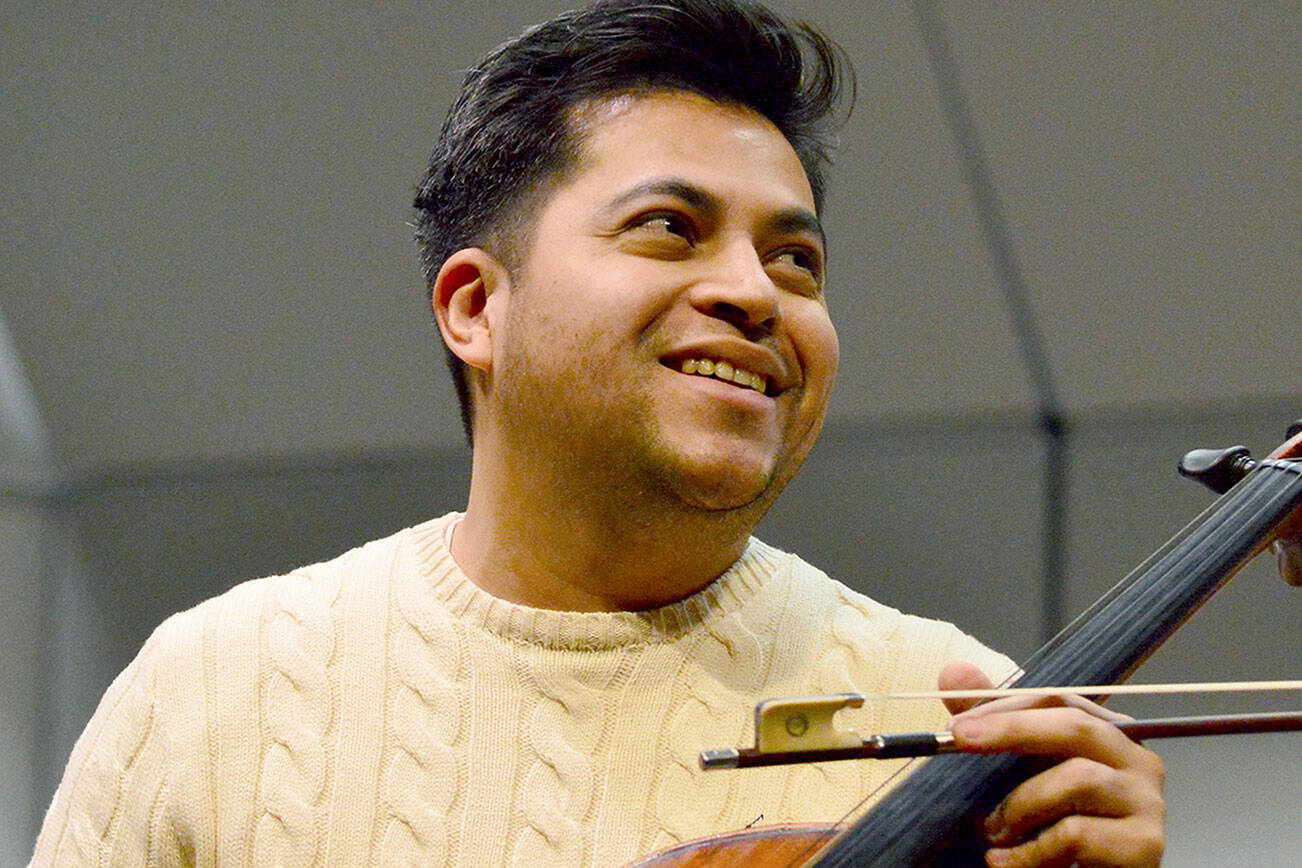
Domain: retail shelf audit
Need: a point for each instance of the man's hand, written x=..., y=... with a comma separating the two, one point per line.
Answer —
x=1099, y=805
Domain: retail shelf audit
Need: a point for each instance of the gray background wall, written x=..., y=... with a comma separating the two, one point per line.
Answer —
x=217, y=365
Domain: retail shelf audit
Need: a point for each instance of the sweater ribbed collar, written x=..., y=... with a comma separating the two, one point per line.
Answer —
x=426, y=547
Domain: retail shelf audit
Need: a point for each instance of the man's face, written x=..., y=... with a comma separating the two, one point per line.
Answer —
x=666, y=328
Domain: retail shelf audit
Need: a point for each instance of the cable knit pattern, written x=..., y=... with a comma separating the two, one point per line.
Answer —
x=90, y=838
x=161, y=835
x=423, y=776
x=298, y=706
x=560, y=786
x=691, y=802
x=381, y=709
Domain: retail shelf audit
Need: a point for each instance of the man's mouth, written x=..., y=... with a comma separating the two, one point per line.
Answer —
x=726, y=371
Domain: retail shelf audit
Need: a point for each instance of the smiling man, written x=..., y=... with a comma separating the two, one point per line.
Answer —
x=620, y=230
x=654, y=370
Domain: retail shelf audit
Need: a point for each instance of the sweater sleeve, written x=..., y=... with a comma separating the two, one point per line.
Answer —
x=111, y=807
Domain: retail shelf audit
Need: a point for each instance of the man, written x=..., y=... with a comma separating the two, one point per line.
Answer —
x=620, y=229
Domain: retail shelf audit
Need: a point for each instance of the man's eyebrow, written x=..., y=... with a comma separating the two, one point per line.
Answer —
x=688, y=193
x=798, y=220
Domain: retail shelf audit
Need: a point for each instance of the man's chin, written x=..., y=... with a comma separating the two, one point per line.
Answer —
x=727, y=487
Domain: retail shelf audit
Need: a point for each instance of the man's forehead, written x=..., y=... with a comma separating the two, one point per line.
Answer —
x=592, y=114
x=666, y=120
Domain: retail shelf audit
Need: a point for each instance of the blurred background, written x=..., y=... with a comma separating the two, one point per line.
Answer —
x=1065, y=250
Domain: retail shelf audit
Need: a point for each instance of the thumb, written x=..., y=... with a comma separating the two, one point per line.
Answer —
x=1288, y=556
x=962, y=676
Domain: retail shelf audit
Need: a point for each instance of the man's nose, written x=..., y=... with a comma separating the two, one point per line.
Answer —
x=740, y=292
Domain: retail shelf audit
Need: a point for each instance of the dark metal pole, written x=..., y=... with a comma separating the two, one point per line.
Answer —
x=994, y=228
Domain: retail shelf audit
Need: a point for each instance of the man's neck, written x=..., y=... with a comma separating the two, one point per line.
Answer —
x=616, y=554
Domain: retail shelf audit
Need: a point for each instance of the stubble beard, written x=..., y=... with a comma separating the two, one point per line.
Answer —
x=616, y=459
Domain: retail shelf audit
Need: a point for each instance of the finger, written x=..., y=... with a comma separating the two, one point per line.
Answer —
x=1086, y=842
x=1076, y=786
x=962, y=676
x=1020, y=701
x=1288, y=557
x=1051, y=732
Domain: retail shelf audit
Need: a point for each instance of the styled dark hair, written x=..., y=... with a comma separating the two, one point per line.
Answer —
x=509, y=137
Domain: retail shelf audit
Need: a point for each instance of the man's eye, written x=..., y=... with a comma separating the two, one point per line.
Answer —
x=668, y=224
x=799, y=259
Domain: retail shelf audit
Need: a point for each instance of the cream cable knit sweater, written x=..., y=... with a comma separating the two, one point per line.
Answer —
x=380, y=709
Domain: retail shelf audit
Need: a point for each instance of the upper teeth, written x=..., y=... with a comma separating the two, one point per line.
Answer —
x=725, y=371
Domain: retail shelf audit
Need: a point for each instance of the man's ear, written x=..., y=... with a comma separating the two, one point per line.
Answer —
x=465, y=283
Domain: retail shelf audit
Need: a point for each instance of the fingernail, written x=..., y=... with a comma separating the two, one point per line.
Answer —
x=997, y=856
x=993, y=826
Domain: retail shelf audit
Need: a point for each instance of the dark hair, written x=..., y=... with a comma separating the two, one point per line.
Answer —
x=508, y=138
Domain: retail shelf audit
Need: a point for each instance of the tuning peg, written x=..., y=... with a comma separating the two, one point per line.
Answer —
x=1294, y=429
x=1218, y=469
